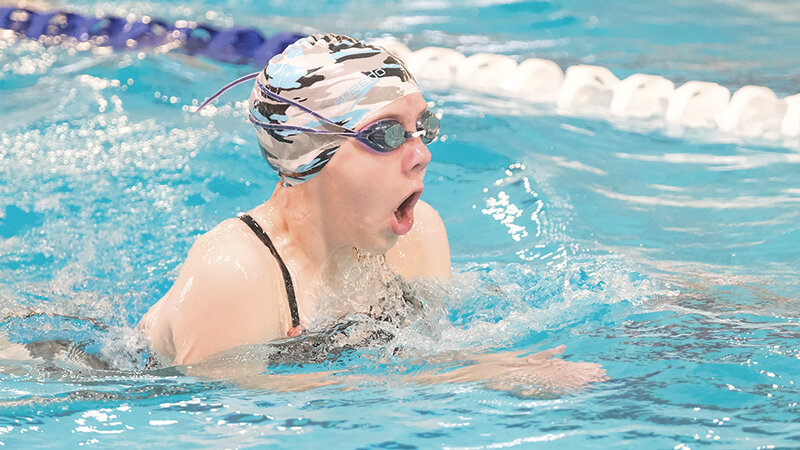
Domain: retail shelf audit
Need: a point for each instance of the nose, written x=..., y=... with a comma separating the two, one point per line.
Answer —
x=416, y=157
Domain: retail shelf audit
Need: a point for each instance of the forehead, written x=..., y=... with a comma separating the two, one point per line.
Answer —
x=406, y=108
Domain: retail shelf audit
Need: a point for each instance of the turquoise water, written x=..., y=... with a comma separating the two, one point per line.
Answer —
x=668, y=256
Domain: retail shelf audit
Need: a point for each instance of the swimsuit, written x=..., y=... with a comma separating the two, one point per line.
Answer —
x=389, y=312
x=287, y=277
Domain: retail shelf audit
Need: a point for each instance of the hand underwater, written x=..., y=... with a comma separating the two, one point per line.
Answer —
x=542, y=374
x=539, y=374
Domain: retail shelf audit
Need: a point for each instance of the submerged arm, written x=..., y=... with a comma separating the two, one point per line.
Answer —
x=540, y=374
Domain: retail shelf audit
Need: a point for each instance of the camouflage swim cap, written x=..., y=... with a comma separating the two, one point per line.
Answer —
x=335, y=76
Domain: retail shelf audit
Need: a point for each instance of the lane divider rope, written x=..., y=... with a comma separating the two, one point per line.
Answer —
x=752, y=111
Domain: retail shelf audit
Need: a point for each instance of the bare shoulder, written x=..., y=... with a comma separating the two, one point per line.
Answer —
x=424, y=251
x=226, y=294
x=228, y=241
x=229, y=256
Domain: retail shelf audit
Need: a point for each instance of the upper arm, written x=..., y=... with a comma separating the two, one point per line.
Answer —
x=225, y=296
x=424, y=251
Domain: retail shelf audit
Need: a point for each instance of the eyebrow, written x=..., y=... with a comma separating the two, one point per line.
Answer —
x=395, y=116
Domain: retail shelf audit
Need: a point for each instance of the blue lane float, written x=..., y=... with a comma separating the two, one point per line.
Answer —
x=236, y=45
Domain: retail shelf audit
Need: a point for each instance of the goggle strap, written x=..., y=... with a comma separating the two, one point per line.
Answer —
x=278, y=126
x=226, y=88
x=274, y=96
x=298, y=105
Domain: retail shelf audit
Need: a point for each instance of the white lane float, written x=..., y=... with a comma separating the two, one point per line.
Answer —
x=587, y=87
x=642, y=96
x=790, y=125
x=752, y=111
x=436, y=64
x=698, y=104
x=539, y=80
x=486, y=72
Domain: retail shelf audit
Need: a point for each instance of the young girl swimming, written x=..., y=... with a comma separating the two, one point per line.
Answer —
x=346, y=129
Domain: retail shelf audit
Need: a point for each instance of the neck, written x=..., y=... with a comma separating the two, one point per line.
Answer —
x=305, y=234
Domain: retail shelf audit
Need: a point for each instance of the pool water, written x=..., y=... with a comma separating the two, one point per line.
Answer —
x=668, y=256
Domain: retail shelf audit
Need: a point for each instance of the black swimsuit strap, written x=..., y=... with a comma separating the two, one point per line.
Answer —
x=287, y=277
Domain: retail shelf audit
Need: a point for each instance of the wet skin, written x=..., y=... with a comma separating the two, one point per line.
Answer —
x=230, y=291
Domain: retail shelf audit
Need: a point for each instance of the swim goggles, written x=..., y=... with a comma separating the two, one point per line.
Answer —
x=382, y=136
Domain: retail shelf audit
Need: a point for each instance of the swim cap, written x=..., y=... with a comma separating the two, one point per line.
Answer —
x=335, y=76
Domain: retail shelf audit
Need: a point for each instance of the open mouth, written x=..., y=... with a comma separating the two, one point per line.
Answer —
x=404, y=214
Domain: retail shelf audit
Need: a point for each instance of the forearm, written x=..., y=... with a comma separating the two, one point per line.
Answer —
x=535, y=375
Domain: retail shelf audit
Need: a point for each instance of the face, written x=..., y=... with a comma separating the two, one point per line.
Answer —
x=369, y=197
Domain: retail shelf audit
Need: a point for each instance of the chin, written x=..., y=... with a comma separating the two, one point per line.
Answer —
x=379, y=246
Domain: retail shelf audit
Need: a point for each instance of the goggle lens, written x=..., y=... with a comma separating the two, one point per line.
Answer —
x=429, y=124
x=395, y=136
x=387, y=135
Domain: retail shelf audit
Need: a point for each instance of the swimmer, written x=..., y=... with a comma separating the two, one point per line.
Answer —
x=346, y=129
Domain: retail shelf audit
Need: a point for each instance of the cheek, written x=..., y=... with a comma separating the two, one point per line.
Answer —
x=346, y=191
x=361, y=180
x=363, y=195
x=358, y=193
